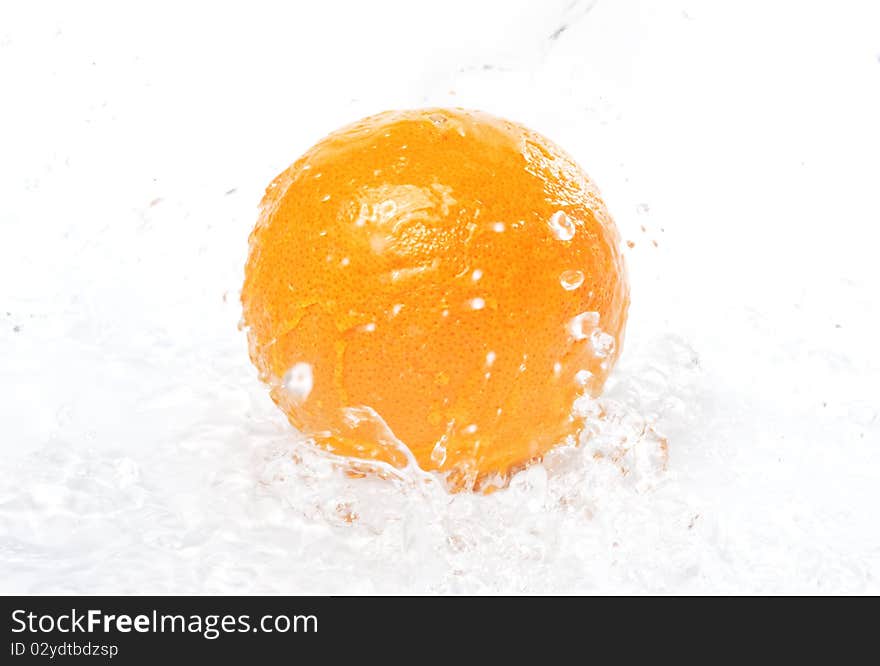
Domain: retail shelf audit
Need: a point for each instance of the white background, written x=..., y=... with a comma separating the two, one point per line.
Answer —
x=138, y=451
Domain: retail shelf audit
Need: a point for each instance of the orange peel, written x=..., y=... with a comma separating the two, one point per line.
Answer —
x=435, y=283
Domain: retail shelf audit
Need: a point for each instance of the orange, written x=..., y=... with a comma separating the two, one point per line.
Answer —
x=440, y=284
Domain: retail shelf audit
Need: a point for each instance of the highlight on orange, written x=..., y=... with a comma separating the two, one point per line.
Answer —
x=435, y=286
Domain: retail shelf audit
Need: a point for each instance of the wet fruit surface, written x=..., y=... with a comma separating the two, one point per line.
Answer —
x=440, y=282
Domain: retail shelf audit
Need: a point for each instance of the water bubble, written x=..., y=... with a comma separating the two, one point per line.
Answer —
x=490, y=358
x=396, y=309
x=498, y=227
x=476, y=275
x=561, y=226
x=298, y=381
x=477, y=303
x=471, y=429
x=582, y=377
x=438, y=453
x=571, y=280
x=557, y=368
x=369, y=328
x=582, y=325
x=326, y=197
x=345, y=261
x=603, y=344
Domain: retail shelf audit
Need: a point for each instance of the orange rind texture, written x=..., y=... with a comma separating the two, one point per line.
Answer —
x=436, y=285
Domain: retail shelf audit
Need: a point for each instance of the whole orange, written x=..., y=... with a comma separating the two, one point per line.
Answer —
x=438, y=281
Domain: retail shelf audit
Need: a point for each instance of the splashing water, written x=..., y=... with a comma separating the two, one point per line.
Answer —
x=538, y=530
x=453, y=540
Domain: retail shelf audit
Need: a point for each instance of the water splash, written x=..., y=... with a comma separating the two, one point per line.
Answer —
x=617, y=450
